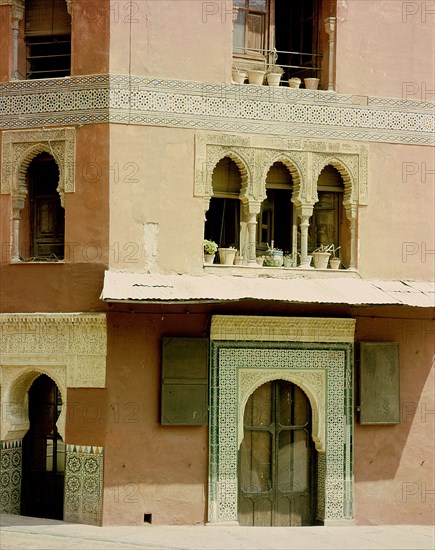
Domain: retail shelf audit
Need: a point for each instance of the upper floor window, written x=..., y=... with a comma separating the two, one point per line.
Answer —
x=223, y=217
x=279, y=31
x=48, y=39
x=275, y=221
x=42, y=224
x=329, y=224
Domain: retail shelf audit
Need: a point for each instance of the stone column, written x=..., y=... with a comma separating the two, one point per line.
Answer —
x=351, y=216
x=330, y=29
x=17, y=13
x=253, y=210
x=17, y=206
x=304, y=213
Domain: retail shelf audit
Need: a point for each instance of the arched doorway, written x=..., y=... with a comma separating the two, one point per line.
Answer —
x=277, y=477
x=43, y=453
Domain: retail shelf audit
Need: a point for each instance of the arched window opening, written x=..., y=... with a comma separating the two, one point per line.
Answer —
x=223, y=216
x=42, y=222
x=275, y=221
x=328, y=223
x=48, y=39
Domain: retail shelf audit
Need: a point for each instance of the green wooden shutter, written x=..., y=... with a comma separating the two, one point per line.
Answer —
x=184, y=381
x=379, y=383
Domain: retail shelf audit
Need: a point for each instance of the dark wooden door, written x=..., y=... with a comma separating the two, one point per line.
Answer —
x=43, y=454
x=48, y=216
x=277, y=458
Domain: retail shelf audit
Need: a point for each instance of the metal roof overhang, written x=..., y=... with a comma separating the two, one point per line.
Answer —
x=181, y=289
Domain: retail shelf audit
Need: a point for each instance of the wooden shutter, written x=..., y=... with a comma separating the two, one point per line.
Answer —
x=379, y=383
x=47, y=18
x=184, y=381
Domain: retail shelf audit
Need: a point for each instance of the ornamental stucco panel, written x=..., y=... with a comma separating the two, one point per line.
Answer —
x=304, y=159
x=69, y=348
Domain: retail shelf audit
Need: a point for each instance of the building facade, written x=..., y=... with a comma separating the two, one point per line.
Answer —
x=140, y=383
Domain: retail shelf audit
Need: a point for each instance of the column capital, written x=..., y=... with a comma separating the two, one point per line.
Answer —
x=330, y=24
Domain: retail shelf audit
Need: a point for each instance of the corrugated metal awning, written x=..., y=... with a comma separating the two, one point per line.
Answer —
x=138, y=287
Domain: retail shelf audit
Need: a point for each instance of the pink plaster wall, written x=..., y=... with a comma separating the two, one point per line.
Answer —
x=394, y=464
x=386, y=48
x=186, y=39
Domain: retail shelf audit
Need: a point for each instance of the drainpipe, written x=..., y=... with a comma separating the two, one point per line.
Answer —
x=330, y=29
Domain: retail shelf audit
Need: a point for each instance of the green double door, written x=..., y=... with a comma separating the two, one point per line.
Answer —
x=277, y=458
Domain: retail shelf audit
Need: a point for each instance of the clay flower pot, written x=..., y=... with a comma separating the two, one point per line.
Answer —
x=311, y=83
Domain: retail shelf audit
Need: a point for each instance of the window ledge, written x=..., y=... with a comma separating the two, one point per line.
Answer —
x=280, y=272
x=36, y=262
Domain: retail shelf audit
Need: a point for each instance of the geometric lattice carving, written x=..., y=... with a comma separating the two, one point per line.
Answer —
x=69, y=348
x=239, y=367
x=214, y=107
x=83, y=499
x=10, y=476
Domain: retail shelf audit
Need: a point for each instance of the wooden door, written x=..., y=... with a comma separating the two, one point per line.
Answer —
x=43, y=454
x=277, y=458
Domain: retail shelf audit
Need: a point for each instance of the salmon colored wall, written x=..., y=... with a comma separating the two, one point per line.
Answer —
x=5, y=43
x=90, y=36
x=197, y=42
x=394, y=464
x=149, y=469
x=386, y=49
x=396, y=236
x=76, y=284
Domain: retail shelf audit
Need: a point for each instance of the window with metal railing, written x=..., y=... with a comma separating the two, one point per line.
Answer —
x=48, y=39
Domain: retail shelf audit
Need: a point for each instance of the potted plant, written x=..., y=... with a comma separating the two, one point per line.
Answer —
x=239, y=75
x=294, y=82
x=227, y=255
x=291, y=259
x=274, y=257
x=256, y=74
x=260, y=260
x=321, y=256
x=273, y=75
x=210, y=248
x=311, y=83
x=334, y=261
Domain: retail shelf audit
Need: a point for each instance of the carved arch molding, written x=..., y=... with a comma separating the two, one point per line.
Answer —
x=69, y=348
x=20, y=147
x=314, y=353
x=305, y=159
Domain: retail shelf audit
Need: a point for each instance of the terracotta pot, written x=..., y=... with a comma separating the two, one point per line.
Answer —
x=311, y=83
x=256, y=77
x=334, y=263
x=227, y=255
x=239, y=77
x=294, y=82
x=320, y=259
x=209, y=258
x=273, y=79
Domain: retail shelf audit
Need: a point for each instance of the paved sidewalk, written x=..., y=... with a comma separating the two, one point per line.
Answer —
x=18, y=532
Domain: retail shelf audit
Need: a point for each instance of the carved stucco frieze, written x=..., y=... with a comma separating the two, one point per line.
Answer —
x=282, y=329
x=69, y=348
x=20, y=147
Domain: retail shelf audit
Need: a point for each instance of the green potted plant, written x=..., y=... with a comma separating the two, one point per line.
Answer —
x=274, y=74
x=290, y=259
x=210, y=248
x=273, y=257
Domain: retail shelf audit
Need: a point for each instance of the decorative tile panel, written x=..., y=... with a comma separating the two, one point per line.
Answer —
x=83, y=499
x=244, y=108
x=10, y=476
x=322, y=370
